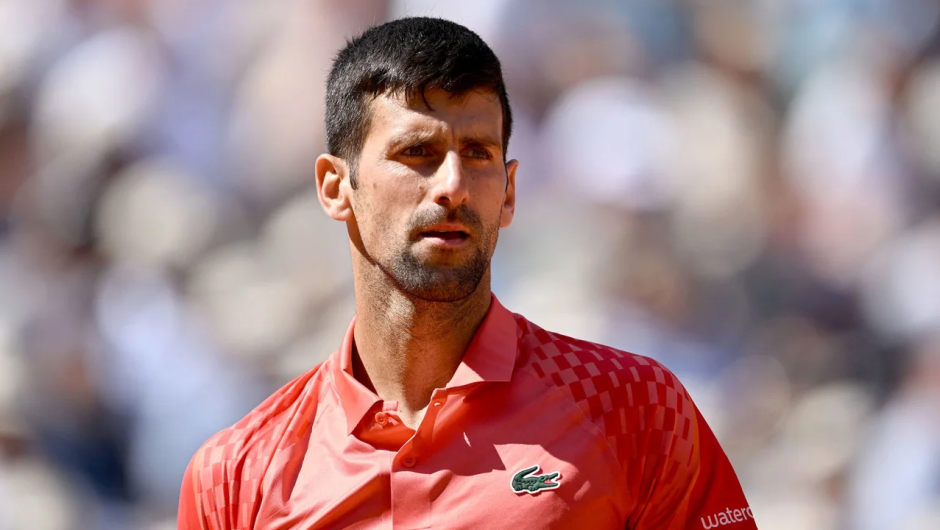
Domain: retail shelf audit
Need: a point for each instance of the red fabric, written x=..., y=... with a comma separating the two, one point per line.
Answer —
x=628, y=445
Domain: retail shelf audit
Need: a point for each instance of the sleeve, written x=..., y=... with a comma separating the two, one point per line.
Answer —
x=694, y=486
x=188, y=517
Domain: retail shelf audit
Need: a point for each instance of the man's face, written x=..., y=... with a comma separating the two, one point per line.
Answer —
x=433, y=192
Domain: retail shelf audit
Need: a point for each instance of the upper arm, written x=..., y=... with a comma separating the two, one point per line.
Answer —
x=694, y=484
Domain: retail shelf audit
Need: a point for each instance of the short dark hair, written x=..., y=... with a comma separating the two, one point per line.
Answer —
x=408, y=55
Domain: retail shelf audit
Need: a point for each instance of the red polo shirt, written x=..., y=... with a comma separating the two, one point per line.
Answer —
x=535, y=430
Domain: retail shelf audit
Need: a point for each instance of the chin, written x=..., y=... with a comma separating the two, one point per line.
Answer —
x=440, y=284
x=443, y=290
x=440, y=295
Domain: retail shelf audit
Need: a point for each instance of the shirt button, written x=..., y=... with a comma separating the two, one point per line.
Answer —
x=438, y=403
x=409, y=461
x=381, y=418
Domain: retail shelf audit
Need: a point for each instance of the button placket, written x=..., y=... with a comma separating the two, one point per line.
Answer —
x=438, y=399
x=381, y=418
x=411, y=499
x=430, y=422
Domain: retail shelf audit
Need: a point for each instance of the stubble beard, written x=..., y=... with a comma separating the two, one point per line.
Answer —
x=445, y=282
x=440, y=283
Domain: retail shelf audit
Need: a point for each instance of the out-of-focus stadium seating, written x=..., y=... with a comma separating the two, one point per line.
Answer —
x=747, y=191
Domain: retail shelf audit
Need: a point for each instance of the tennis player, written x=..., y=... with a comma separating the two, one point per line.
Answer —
x=441, y=408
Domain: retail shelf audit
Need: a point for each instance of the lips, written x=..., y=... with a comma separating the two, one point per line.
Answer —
x=447, y=235
x=445, y=239
x=446, y=232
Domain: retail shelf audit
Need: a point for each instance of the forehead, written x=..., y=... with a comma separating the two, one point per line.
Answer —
x=477, y=111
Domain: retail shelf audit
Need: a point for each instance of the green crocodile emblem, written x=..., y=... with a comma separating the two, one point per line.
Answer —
x=525, y=481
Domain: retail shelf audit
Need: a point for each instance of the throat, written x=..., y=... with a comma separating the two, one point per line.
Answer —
x=412, y=418
x=407, y=378
x=404, y=356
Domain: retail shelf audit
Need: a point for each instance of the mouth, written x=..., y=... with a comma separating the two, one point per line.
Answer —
x=446, y=238
x=448, y=234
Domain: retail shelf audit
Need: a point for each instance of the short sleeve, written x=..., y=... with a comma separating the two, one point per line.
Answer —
x=695, y=488
x=188, y=516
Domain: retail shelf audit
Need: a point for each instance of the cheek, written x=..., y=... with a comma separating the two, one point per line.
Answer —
x=491, y=208
x=385, y=212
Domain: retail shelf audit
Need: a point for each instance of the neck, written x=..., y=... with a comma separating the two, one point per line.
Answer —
x=407, y=347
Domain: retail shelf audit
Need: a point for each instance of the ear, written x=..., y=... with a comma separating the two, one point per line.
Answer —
x=509, y=201
x=333, y=187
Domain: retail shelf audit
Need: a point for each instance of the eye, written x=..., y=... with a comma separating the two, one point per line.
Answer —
x=478, y=152
x=416, y=150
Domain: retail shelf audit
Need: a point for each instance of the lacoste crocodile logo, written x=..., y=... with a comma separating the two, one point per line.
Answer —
x=523, y=482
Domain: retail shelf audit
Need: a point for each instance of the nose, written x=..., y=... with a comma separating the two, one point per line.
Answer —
x=450, y=183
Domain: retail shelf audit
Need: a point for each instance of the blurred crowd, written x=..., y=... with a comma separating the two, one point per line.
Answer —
x=747, y=191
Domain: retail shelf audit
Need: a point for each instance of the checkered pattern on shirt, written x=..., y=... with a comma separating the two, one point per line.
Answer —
x=640, y=406
x=229, y=467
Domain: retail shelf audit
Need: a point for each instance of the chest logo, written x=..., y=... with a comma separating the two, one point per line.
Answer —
x=528, y=480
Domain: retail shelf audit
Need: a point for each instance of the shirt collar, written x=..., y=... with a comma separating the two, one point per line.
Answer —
x=490, y=358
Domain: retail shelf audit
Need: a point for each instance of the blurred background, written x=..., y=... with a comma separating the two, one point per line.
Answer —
x=747, y=191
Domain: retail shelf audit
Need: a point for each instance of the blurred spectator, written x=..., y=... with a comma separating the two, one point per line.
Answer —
x=747, y=191
x=895, y=481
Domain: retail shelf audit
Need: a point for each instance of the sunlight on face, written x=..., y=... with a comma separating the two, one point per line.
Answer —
x=433, y=191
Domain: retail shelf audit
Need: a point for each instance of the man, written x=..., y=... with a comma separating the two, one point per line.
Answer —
x=441, y=408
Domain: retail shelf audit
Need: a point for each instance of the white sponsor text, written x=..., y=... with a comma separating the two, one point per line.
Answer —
x=726, y=517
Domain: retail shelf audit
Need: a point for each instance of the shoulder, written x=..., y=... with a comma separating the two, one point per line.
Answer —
x=280, y=418
x=227, y=470
x=639, y=404
x=586, y=368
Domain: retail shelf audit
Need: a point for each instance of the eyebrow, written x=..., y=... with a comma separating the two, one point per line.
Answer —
x=411, y=138
x=421, y=137
x=482, y=141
